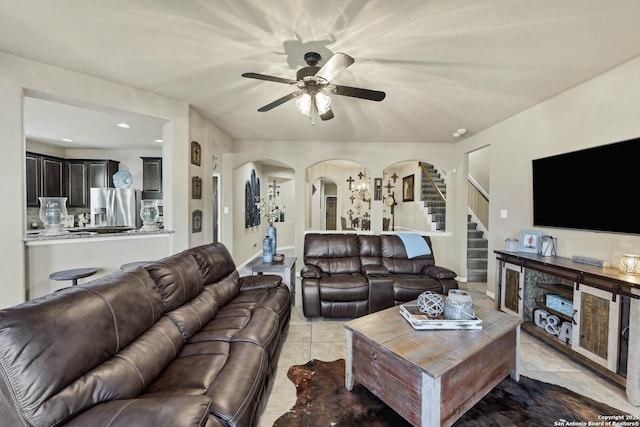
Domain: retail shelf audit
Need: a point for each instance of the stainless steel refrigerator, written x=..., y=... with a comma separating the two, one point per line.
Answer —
x=115, y=206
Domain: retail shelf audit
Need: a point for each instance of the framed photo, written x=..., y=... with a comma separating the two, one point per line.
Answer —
x=407, y=188
x=377, y=189
x=529, y=241
x=196, y=187
x=196, y=153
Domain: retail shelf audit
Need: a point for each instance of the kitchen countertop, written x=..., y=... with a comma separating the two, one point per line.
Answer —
x=79, y=234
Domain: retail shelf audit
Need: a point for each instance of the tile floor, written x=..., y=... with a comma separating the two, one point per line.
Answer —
x=324, y=339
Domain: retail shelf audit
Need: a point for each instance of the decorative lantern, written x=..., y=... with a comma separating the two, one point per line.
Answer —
x=630, y=264
x=149, y=214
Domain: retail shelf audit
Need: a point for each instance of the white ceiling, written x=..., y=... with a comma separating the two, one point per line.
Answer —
x=444, y=64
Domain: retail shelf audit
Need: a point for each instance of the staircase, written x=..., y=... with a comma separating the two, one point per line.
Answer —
x=477, y=253
x=430, y=197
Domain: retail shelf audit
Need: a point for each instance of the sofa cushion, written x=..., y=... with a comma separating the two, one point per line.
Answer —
x=394, y=256
x=232, y=374
x=370, y=251
x=344, y=287
x=225, y=289
x=192, y=316
x=332, y=253
x=408, y=287
x=59, y=352
x=175, y=411
x=178, y=278
x=214, y=260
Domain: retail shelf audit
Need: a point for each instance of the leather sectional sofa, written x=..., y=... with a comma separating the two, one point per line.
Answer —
x=183, y=341
x=351, y=275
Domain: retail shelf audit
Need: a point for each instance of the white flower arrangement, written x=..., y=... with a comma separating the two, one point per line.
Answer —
x=270, y=210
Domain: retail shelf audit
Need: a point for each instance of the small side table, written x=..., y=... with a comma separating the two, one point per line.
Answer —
x=73, y=274
x=286, y=269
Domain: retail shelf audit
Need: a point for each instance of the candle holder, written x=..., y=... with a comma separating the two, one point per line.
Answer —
x=53, y=213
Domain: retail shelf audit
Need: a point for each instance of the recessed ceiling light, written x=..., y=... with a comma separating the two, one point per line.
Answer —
x=459, y=133
x=123, y=125
x=66, y=139
x=158, y=140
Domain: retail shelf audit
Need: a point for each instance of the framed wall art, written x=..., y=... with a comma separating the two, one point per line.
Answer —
x=196, y=153
x=196, y=221
x=407, y=188
x=377, y=189
x=196, y=187
x=529, y=241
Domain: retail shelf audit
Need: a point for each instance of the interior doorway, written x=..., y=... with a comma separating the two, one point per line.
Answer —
x=331, y=212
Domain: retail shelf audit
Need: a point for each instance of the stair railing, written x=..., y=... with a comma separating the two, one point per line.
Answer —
x=433, y=184
x=478, y=201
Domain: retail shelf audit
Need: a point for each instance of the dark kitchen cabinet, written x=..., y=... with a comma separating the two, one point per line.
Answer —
x=151, y=177
x=76, y=179
x=51, y=177
x=44, y=177
x=83, y=175
x=33, y=178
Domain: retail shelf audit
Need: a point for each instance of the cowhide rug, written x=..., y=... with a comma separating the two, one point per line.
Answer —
x=322, y=400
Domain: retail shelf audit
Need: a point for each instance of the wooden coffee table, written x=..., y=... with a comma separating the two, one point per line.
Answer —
x=431, y=377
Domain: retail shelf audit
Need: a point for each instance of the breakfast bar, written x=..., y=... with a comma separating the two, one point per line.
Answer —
x=104, y=252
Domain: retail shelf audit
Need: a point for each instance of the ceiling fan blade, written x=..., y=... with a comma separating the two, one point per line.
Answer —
x=356, y=92
x=334, y=66
x=279, y=101
x=269, y=78
x=327, y=116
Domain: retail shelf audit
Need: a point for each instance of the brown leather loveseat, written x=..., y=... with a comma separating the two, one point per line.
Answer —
x=351, y=275
x=183, y=341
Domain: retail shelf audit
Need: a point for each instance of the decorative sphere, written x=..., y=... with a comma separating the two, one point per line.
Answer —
x=431, y=303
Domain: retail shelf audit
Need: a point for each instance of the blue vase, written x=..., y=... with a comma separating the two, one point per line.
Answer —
x=267, y=249
x=272, y=233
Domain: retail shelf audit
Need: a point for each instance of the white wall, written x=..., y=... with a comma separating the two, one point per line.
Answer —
x=600, y=111
x=22, y=77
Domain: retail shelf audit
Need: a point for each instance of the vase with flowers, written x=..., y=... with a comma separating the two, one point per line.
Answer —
x=271, y=211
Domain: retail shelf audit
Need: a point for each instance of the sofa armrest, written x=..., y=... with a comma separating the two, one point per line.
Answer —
x=440, y=272
x=374, y=270
x=311, y=272
x=260, y=281
x=173, y=411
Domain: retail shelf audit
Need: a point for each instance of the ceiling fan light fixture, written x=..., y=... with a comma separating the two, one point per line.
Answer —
x=323, y=102
x=304, y=103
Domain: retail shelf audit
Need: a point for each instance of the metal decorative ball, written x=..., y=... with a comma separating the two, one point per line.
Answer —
x=431, y=303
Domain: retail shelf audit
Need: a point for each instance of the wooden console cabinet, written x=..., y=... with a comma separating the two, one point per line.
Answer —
x=604, y=315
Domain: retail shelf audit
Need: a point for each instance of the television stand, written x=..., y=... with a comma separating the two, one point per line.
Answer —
x=603, y=302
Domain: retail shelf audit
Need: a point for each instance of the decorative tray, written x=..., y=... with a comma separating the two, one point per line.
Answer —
x=421, y=321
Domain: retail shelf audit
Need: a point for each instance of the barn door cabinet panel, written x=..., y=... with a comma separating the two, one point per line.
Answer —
x=590, y=309
x=512, y=288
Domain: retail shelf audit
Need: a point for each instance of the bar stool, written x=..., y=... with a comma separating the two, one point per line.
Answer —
x=73, y=274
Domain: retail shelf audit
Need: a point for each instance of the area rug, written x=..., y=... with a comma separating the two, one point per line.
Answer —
x=322, y=400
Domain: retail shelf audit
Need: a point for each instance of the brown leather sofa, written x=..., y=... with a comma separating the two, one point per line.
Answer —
x=183, y=341
x=351, y=275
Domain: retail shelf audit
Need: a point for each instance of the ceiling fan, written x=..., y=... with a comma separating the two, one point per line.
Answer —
x=314, y=86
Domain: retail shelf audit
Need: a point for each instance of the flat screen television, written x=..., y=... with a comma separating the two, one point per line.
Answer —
x=593, y=189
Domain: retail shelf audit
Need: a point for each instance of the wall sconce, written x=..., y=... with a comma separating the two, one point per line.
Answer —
x=630, y=264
